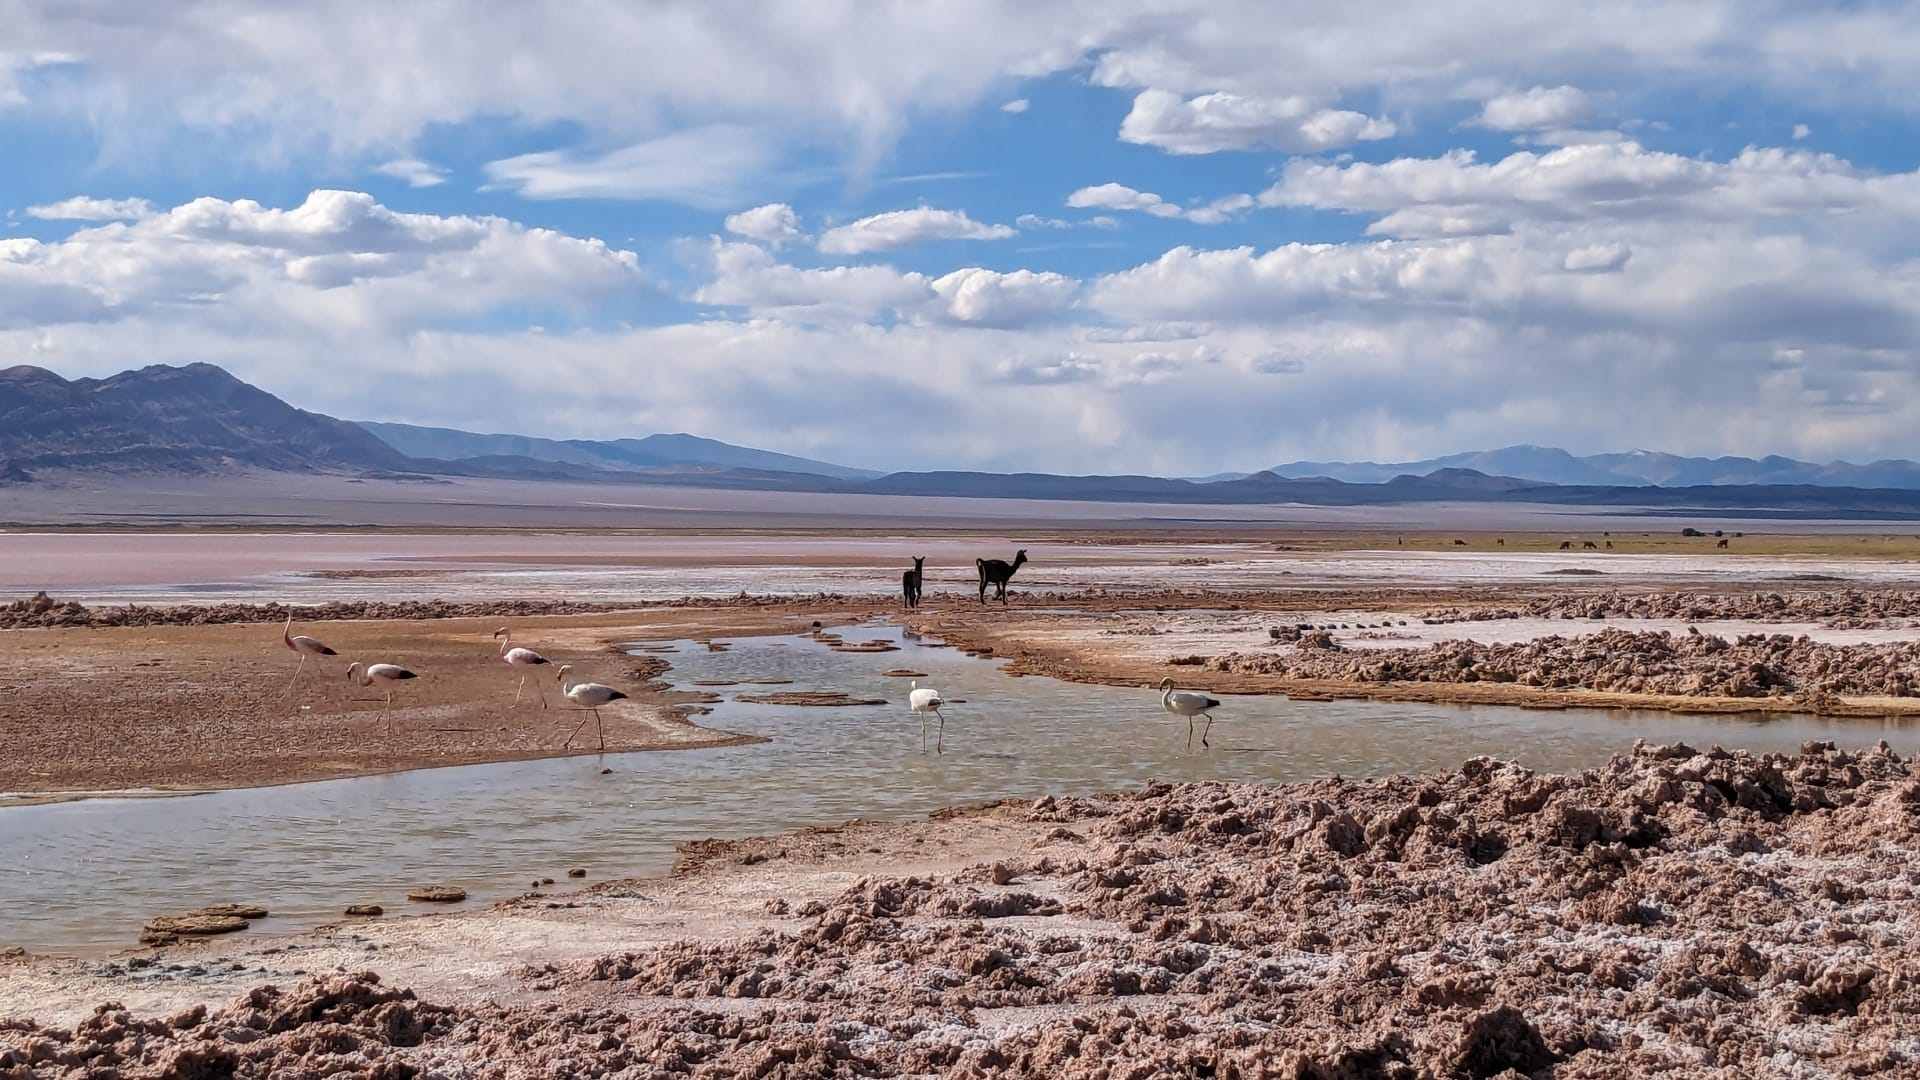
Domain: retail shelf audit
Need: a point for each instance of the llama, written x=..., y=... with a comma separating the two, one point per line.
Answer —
x=997, y=572
x=910, y=583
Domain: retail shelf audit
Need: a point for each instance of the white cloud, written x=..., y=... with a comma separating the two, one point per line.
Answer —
x=1017, y=105
x=1536, y=109
x=83, y=208
x=415, y=172
x=706, y=166
x=775, y=224
x=978, y=297
x=1220, y=121
x=1801, y=131
x=904, y=228
x=339, y=256
x=1120, y=197
x=1597, y=182
x=1597, y=258
x=1035, y=221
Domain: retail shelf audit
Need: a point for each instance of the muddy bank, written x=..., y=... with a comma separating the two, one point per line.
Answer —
x=1706, y=914
x=1615, y=661
x=45, y=612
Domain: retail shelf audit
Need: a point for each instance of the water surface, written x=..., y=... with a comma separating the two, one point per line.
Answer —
x=82, y=876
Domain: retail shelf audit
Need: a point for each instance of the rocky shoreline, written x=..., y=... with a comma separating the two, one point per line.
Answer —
x=1708, y=913
x=1613, y=661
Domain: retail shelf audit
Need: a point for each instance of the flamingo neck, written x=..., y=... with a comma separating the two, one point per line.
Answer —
x=505, y=640
x=286, y=635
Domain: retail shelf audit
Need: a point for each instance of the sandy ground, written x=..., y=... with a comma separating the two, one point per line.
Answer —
x=1675, y=913
x=194, y=707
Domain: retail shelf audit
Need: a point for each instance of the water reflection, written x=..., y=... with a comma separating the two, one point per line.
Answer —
x=83, y=876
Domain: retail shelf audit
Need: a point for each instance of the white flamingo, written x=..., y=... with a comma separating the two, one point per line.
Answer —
x=589, y=696
x=924, y=702
x=1188, y=704
x=521, y=658
x=303, y=645
x=386, y=673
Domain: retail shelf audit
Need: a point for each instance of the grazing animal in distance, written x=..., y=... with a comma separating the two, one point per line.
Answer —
x=1588, y=545
x=1566, y=545
x=997, y=572
x=303, y=645
x=1609, y=545
x=910, y=583
x=1722, y=543
x=1502, y=541
x=589, y=696
x=1460, y=543
x=1188, y=704
x=386, y=673
x=924, y=702
x=521, y=658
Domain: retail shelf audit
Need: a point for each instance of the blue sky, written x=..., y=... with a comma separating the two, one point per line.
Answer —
x=1085, y=237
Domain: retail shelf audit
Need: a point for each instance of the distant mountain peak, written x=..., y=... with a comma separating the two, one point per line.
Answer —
x=1632, y=468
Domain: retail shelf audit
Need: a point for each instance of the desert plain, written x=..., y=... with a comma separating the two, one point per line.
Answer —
x=1737, y=910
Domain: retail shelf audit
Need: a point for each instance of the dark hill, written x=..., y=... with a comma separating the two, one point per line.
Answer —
x=196, y=418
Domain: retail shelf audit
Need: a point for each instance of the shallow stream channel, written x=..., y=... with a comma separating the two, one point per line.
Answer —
x=82, y=877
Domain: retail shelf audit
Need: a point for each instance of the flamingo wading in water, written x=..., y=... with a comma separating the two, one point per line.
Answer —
x=521, y=658
x=924, y=702
x=1188, y=704
x=589, y=696
x=303, y=645
x=386, y=673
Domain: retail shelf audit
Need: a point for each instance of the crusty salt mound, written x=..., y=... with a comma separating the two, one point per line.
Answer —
x=1675, y=912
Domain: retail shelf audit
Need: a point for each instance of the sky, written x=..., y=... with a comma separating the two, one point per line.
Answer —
x=1085, y=236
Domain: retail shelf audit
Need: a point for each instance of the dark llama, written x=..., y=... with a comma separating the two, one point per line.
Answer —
x=910, y=583
x=997, y=572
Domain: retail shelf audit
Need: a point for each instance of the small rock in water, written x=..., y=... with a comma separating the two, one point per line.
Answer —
x=437, y=894
x=578, y=871
x=169, y=929
x=1000, y=874
x=546, y=881
x=606, y=772
x=365, y=909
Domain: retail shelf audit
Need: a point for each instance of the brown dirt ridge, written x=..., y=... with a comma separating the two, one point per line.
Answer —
x=1675, y=912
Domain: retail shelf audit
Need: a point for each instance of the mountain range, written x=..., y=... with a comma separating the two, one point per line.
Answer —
x=200, y=419
x=1551, y=465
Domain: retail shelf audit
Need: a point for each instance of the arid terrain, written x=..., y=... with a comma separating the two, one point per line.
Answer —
x=1700, y=912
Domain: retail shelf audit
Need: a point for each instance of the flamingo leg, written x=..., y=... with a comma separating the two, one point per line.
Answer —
x=601, y=728
x=1203, y=731
x=576, y=730
x=1189, y=732
x=388, y=712
x=939, y=740
x=296, y=674
x=518, y=689
x=923, y=733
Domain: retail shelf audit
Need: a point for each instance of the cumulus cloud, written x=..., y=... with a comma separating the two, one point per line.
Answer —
x=1596, y=182
x=707, y=166
x=83, y=208
x=904, y=228
x=774, y=224
x=1017, y=105
x=1121, y=197
x=1220, y=121
x=415, y=172
x=1536, y=109
x=978, y=297
x=1801, y=131
x=240, y=256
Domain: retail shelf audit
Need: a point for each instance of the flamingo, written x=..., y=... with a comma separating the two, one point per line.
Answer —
x=306, y=647
x=589, y=696
x=521, y=658
x=1188, y=704
x=924, y=702
x=386, y=673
